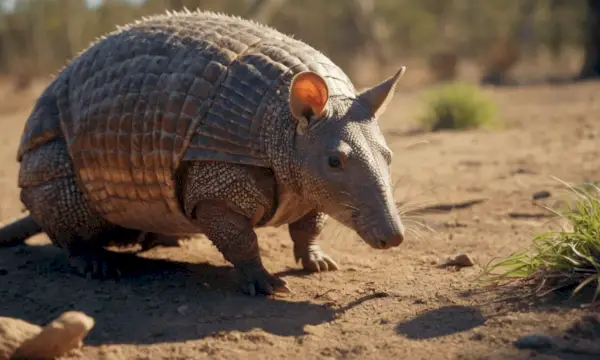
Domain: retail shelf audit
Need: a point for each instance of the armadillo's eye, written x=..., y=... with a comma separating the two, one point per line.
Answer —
x=334, y=162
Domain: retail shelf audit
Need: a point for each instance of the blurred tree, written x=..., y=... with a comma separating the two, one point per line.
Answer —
x=364, y=37
x=525, y=28
x=263, y=10
x=591, y=63
x=72, y=24
x=176, y=4
x=443, y=66
x=506, y=50
x=556, y=37
x=369, y=33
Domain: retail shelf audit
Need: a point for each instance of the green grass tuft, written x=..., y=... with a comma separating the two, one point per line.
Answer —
x=457, y=106
x=561, y=258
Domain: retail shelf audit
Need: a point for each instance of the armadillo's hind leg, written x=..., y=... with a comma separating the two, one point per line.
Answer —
x=51, y=194
x=87, y=254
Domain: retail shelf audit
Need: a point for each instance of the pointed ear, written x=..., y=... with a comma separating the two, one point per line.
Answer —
x=380, y=95
x=308, y=96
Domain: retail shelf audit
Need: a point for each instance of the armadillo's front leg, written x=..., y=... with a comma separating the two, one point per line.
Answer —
x=234, y=236
x=304, y=233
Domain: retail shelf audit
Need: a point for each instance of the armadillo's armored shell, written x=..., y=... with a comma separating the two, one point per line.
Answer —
x=265, y=60
x=43, y=124
x=185, y=86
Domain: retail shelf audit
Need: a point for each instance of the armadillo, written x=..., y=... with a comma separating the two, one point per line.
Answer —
x=192, y=123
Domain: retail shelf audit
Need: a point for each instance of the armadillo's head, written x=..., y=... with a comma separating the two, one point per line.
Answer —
x=342, y=158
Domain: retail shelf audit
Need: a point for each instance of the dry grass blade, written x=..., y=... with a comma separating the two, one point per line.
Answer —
x=561, y=258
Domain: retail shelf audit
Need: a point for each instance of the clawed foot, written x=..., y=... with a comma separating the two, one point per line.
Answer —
x=98, y=264
x=255, y=279
x=314, y=259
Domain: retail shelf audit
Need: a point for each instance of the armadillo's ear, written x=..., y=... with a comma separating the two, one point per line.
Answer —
x=308, y=96
x=380, y=95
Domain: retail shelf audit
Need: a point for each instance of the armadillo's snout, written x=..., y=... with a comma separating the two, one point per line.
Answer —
x=377, y=233
x=393, y=241
x=390, y=236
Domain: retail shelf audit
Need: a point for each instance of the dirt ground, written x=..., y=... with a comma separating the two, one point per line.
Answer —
x=182, y=302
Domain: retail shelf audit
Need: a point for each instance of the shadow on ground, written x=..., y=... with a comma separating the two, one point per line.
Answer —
x=529, y=297
x=441, y=322
x=579, y=341
x=165, y=301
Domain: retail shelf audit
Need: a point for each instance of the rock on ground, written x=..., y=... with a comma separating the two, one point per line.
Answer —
x=13, y=332
x=21, y=339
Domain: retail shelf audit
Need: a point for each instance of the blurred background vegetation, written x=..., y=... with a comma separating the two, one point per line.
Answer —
x=494, y=41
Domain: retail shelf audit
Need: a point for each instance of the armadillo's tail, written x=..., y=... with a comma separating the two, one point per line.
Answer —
x=18, y=231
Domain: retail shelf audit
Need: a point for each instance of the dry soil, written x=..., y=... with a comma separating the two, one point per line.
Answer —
x=182, y=302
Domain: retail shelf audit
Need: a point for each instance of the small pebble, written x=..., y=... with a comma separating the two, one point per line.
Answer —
x=522, y=171
x=13, y=332
x=541, y=195
x=477, y=337
x=458, y=260
x=58, y=337
x=183, y=309
x=535, y=341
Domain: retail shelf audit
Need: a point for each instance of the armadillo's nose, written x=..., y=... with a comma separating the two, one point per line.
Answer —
x=393, y=241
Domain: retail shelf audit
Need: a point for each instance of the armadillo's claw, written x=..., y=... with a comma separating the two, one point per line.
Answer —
x=255, y=280
x=93, y=265
x=314, y=259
